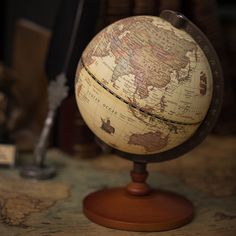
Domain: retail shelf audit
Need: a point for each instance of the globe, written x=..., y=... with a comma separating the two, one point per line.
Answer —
x=151, y=88
x=143, y=86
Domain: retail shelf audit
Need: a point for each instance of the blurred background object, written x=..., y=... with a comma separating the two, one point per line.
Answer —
x=34, y=40
x=25, y=84
x=73, y=29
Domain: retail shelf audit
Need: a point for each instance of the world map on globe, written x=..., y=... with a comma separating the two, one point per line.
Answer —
x=143, y=86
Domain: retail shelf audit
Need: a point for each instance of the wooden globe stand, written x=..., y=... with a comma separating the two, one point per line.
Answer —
x=137, y=207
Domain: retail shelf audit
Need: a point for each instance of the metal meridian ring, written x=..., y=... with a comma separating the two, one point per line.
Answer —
x=181, y=22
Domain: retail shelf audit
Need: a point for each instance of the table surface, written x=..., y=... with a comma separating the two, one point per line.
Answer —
x=206, y=175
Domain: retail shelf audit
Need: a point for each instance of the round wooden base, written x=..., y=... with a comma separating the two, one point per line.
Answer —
x=157, y=211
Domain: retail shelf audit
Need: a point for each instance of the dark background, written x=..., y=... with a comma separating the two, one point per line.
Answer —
x=217, y=19
x=44, y=12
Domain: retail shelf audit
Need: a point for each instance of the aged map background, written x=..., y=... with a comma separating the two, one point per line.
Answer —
x=54, y=208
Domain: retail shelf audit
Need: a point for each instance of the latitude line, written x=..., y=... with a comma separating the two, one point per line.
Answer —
x=132, y=105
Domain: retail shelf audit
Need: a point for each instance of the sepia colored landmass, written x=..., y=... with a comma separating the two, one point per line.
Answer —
x=107, y=127
x=150, y=141
x=150, y=62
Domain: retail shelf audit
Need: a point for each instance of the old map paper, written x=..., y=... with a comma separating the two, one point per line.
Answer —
x=207, y=176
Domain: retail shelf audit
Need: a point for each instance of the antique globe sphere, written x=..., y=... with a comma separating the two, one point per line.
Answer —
x=143, y=86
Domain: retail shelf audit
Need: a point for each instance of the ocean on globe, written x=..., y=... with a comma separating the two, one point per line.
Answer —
x=143, y=86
